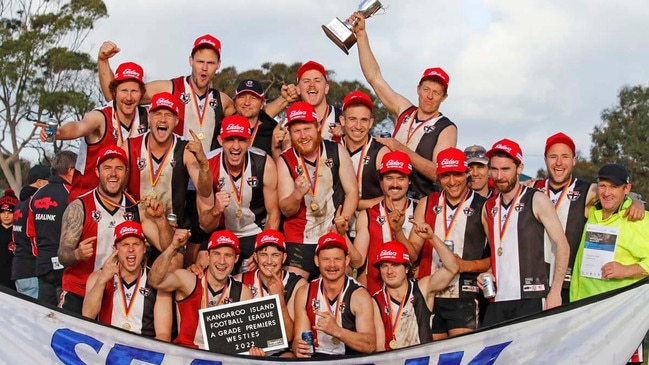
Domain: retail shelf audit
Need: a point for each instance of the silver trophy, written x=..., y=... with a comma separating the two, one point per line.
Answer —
x=341, y=32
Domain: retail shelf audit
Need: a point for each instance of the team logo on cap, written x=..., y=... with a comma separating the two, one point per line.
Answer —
x=394, y=164
x=503, y=147
x=234, y=128
x=184, y=97
x=206, y=41
x=388, y=254
x=225, y=240
x=129, y=72
x=434, y=72
x=249, y=83
x=450, y=162
x=297, y=114
x=165, y=102
x=267, y=238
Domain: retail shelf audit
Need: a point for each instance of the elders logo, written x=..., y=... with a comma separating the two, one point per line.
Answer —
x=394, y=164
x=128, y=231
x=131, y=73
x=206, y=41
x=236, y=128
x=165, y=102
x=269, y=238
x=297, y=114
x=388, y=254
x=503, y=147
x=109, y=152
x=450, y=162
x=226, y=240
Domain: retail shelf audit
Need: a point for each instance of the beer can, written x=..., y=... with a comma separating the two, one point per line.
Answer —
x=172, y=218
x=307, y=336
x=50, y=129
x=488, y=288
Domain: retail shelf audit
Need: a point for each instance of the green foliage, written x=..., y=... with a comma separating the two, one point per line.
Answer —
x=274, y=75
x=622, y=137
x=42, y=72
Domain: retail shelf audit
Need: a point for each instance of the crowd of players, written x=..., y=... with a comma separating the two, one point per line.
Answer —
x=371, y=243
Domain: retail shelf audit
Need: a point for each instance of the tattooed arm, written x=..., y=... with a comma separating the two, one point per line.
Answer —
x=70, y=233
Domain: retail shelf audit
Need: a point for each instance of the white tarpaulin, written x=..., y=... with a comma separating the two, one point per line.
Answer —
x=601, y=330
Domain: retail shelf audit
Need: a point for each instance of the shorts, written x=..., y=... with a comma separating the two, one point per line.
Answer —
x=247, y=247
x=301, y=256
x=498, y=312
x=452, y=313
x=71, y=302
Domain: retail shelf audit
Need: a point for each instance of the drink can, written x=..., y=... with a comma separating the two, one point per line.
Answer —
x=172, y=218
x=307, y=336
x=244, y=266
x=385, y=135
x=488, y=288
x=50, y=129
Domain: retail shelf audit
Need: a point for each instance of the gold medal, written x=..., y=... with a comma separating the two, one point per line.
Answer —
x=335, y=341
x=393, y=344
x=152, y=194
x=239, y=213
x=314, y=206
x=500, y=251
x=126, y=326
x=201, y=135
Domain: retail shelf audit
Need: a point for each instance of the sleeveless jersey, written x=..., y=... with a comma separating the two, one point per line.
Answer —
x=171, y=188
x=316, y=302
x=258, y=289
x=332, y=116
x=85, y=178
x=520, y=272
x=129, y=308
x=414, y=323
x=193, y=107
x=422, y=138
x=467, y=235
x=189, y=328
x=251, y=186
x=570, y=204
x=100, y=221
x=307, y=225
x=381, y=232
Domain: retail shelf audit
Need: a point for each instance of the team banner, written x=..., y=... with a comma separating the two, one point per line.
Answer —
x=601, y=330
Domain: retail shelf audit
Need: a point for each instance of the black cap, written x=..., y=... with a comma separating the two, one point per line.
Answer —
x=38, y=172
x=615, y=173
x=250, y=86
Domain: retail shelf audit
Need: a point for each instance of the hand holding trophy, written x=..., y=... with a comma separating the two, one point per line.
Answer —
x=340, y=32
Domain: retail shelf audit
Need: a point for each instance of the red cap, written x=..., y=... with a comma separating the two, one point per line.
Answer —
x=511, y=148
x=301, y=111
x=223, y=238
x=235, y=126
x=128, y=229
x=393, y=251
x=331, y=239
x=396, y=161
x=311, y=65
x=111, y=151
x=451, y=160
x=164, y=100
x=436, y=73
x=270, y=237
x=8, y=201
x=357, y=97
x=559, y=138
x=130, y=71
x=207, y=41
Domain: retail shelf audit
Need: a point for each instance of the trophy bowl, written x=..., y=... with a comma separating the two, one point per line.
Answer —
x=341, y=31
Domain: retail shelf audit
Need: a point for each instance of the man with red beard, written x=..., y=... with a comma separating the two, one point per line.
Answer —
x=90, y=220
x=161, y=163
x=316, y=178
x=421, y=131
x=313, y=87
x=245, y=182
x=572, y=199
x=454, y=214
x=108, y=125
x=119, y=293
x=215, y=287
x=389, y=220
x=516, y=220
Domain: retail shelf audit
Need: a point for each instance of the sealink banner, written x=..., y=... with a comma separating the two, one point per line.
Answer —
x=602, y=330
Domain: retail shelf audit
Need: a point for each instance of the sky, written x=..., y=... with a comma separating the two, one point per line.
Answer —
x=522, y=70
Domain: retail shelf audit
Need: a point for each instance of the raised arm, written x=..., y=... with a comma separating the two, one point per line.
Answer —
x=107, y=50
x=91, y=126
x=442, y=277
x=180, y=280
x=157, y=230
x=96, y=285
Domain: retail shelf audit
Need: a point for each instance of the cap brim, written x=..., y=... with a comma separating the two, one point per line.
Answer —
x=615, y=180
x=483, y=161
x=248, y=91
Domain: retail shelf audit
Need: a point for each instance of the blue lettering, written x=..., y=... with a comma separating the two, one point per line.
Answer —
x=418, y=361
x=123, y=355
x=487, y=356
x=205, y=362
x=64, y=340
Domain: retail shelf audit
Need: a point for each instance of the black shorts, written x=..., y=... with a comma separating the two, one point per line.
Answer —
x=452, y=313
x=301, y=256
x=498, y=312
x=247, y=247
x=71, y=302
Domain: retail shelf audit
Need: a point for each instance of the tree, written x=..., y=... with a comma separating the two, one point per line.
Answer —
x=622, y=137
x=42, y=71
x=274, y=75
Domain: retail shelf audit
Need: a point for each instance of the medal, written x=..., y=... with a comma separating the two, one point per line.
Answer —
x=201, y=135
x=126, y=326
x=314, y=206
x=152, y=194
x=393, y=344
x=239, y=213
x=335, y=341
x=500, y=251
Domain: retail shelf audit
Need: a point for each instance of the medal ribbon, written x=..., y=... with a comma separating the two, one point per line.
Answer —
x=200, y=115
x=385, y=212
x=339, y=300
x=206, y=291
x=238, y=193
x=561, y=196
x=155, y=177
x=255, y=129
x=127, y=307
x=326, y=114
x=412, y=133
x=448, y=227
x=313, y=185
x=118, y=126
x=260, y=284
x=361, y=164
x=394, y=321
x=107, y=201
x=504, y=225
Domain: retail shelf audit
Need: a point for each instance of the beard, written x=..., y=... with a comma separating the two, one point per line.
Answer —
x=305, y=151
x=505, y=186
